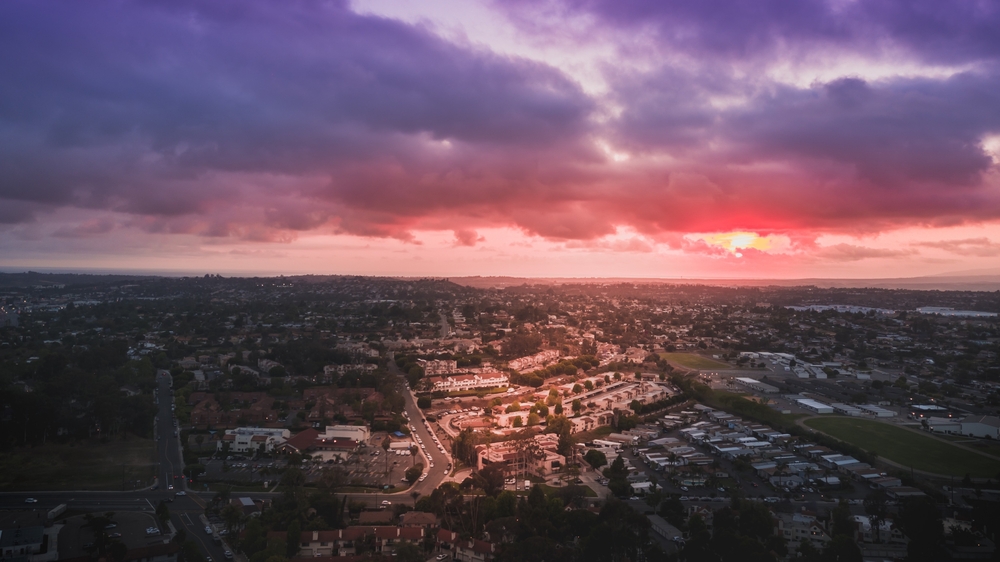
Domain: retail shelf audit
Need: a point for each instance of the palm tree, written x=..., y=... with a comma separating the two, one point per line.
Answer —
x=233, y=516
x=414, y=495
x=782, y=465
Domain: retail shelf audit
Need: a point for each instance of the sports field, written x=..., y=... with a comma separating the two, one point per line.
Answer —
x=84, y=466
x=908, y=448
x=693, y=361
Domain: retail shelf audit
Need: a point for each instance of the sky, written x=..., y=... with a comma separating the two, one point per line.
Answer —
x=543, y=138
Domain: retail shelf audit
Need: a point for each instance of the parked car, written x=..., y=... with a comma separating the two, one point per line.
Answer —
x=30, y=500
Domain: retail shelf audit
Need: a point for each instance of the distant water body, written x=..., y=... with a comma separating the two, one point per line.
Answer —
x=945, y=311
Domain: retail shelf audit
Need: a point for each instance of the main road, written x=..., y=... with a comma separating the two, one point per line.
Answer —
x=187, y=506
x=430, y=453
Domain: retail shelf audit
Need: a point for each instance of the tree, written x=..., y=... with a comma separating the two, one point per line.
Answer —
x=842, y=549
x=595, y=458
x=413, y=473
x=673, y=511
x=191, y=552
x=232, y=516
x=921, y=521
x=408, y=552
x=876, y=508
x=577, y=406
x=293, y=538
x=654, y=497
x=491, y=479
x=620, y=534
x=532, y=419
x=293, y=478
x=807, y=552
x=424, y=402
x=463, y=447
x=517, y=422
x=842, y=522
x=162, y=512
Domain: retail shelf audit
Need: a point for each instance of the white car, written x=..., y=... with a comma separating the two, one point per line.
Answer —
x=208, y=530
x=30, y=500
x=422, y=477
x=386, y=502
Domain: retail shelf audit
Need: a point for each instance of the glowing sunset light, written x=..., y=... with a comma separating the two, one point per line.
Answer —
x=736, y=241
x=446, y=137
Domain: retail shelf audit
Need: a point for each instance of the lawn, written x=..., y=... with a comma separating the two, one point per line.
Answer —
x=89, y=465
x=550, y=490
x=588, y=436
x=908, y=448
x=693, y=361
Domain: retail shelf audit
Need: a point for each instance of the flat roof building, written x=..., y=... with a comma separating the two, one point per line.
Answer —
x=814, y=406
x=755, y=384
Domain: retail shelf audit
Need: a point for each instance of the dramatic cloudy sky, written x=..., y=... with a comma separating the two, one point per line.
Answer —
x=772, y=138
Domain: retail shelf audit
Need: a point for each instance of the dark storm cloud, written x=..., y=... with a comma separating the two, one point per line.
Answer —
x=136, y=105
x=261, y=119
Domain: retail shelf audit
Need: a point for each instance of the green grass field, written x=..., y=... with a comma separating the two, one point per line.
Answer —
x=908, y=448
x=598, y=433
x=84, y=466
x=693, y=361
x=550, y=490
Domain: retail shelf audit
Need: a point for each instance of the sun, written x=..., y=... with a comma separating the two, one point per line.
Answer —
x=736, y=241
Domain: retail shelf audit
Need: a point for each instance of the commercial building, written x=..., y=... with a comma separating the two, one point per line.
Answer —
x=814, y=406
x=943, y=425
x=338, y=442
x=21, y=541
x=756, y=385
x=846, y=409
x=346, y=542
x=359, y=433
x=251, y=439
x=981, y=426
x=875, y=411
x=536, y=456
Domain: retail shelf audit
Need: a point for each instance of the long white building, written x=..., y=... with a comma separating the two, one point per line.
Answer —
x=359, y=433
x=249, y=439
x=468, y=382
x=534, y=361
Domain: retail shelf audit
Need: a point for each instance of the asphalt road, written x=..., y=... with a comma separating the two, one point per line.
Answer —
x=441, y=460
x=168, y=449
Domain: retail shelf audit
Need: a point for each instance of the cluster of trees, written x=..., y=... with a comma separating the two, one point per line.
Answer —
x=75, y=394
x=564, y=367
x=539, y=526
